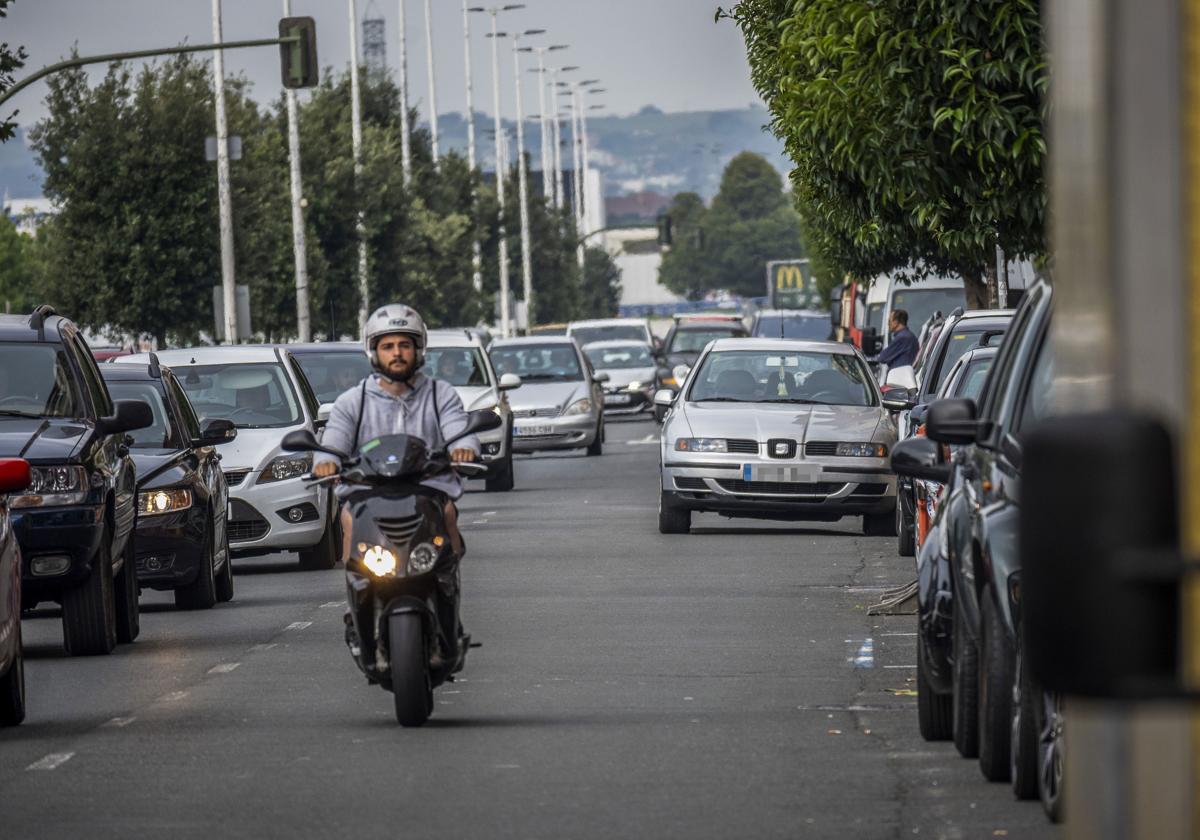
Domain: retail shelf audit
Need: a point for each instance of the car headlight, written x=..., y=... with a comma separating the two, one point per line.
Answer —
x=700, y=445
x=635, y=385
x=579, y=407
x=56, y=485
x=155, y=502
x=861, y=450
x=379, y=561
x=286, y=466
x=422, y=559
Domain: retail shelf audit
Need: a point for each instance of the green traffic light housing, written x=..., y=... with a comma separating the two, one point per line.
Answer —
x=298, y=54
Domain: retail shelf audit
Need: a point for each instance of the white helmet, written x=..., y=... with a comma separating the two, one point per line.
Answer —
x=394, y=319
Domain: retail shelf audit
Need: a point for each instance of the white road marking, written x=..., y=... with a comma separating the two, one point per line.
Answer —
x=223, y=668
x=330, y=604
x=648, y=440
x=897, y=634
x=257, y=648
x=479, y=522
x=488, y=513
x=119, y=722
x=298, y=625
x=865, y=658
x=900, y=666
x=51, y=762
x=175, y=695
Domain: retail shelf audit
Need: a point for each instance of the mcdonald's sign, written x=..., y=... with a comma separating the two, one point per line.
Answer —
x=790, y=285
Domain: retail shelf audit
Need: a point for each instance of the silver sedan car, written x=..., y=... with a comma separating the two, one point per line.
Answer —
x=778, y=429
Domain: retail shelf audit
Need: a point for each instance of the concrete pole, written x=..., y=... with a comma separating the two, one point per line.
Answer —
x=505, y=315
x=523, y=190
x=299, y=250
x=476, y=251
x=405, y=139
x=360, y=226
x=224, y=196
x=586, y=175
x=556, y=132
x=433, y=115
x=577, y=180
x=547, y=157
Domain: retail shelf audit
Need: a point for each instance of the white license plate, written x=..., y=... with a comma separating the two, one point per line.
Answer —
x=617, y=399
x=791, y=474
x=533, y=431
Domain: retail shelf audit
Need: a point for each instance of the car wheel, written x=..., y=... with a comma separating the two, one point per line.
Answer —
x=12, y=688
x=935, y=712
x=879, y=524
x=1023, y=736
x=905, y=532
x=1050, y=753
x=225, y=576
x=89, y=610
x=323, y=555
x=201, y=594
x=966, y=688
x=597, y=446
x=129, y=622
x=671, y=519
x=995, y=692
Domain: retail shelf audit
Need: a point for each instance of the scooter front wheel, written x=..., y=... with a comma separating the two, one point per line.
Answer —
x=412, y=690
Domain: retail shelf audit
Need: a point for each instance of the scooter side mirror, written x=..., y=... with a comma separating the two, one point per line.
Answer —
x=302, y=440
x=477, y=421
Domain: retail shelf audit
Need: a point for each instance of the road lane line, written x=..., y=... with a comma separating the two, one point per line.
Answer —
x=175, y=695
x=298, y=625
x=223, y=668
x=51, y=762
x=899, y=666
x=119, y=722
x=865, y=658
x=259, y=648
x=330, y=604
x=897, y=634
x=488, y=513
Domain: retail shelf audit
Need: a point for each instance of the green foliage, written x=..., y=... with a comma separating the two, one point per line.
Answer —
x=17, y=266
x=601, y=292
x=915, y=126
x=11, y=60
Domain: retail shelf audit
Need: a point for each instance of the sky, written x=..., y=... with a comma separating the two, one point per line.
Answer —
x=666, y=53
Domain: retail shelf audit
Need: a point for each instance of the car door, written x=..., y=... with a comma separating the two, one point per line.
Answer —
x=203, y=461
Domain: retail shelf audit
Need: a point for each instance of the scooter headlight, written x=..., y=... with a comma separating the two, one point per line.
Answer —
x=422, y=559
x=380, y=561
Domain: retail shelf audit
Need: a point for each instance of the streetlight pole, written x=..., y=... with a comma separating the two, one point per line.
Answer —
x=587, y=170
x=360, y=224
x=224, y=196
x=522, y=180
x=476, y=250
x=405, y=139
x=558, y=184
x=433, y=115
x=303, y=328
x=544, y=119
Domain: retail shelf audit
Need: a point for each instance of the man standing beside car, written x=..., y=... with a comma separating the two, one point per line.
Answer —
x=902, y=349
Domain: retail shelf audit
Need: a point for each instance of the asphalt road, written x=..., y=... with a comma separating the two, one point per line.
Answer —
x=723, y=684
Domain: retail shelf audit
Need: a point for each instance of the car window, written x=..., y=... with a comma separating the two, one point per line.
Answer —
x=693, y=341
x=1002, y=366
x=538, y=362
x=101, y=400
x=607, y=332
x=623, y=356
x=971, y=381
x=306, y=391
x=331, y=374
x=920, y=304
x=162, y=433
x=254, y=395
x=792, y=326
x=764, y=376
x=36, y=380
x=462, y=367
x=958, y=343
x=1038, y=398
x=191, y=423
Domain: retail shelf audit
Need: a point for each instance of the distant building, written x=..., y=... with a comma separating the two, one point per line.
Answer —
x=635, y=251
x=28, y=213
x=642, y=207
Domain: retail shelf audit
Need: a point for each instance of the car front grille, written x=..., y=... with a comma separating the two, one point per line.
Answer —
x=742, y=447
x=399, y=529
x=526, y=413
x=235, y=477
x=820, y=447
x=245, y=523
x=812, y=488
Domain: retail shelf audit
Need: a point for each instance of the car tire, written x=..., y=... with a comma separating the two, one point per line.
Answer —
x=12, y=688
x=323, y=555
x=672, y=519
x=935, y=712
x=1050, y=755
x=995, y=692
x=879, y=524
x=89, y=610
x=597, y=446
x=225, y=576
x=905, y=533
x=125, y=588
x=201, y=594
x=1023, y=736
x=966, y=688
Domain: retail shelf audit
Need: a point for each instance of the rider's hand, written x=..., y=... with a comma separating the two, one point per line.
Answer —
x=460, y=456
x=325, y=468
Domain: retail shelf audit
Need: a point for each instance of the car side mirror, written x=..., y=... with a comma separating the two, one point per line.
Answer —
x=478, y=421
x=14, y=475
x=901, y=377
x=1101, y=579
x=600, y=377
x=324, y=412
x=871, y=342
x=127, y=416
x=664, y=397
x=302, y=440
x=509, y=382
x=215, y=432
x=899, y=399
x=952, y=421
x=920, y=457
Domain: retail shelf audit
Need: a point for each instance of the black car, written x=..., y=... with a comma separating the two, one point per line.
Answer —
x=957, y=334
x=968, y=642
x=14, y=477
x=687, y=338
x=181, y=540
x=75, y=520
x=331, y=367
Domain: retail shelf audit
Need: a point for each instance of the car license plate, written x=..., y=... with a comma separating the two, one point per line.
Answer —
x=533, y=431
x=617, y=399
x=791, y=474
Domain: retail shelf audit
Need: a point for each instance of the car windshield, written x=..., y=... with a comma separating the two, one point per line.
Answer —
x=462, y=367
x=693, y=341
x=971, y=382
x=623, y=356
x=35, y=381
x=814, y=327
x=254, y=395
x=957, y=346
x=332, y=374
x=161, y=434
x=875, y=316
x=609, y=332
x=772, y=376
x=538, y=362
x=921, y=303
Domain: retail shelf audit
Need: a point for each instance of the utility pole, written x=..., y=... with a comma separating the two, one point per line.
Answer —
x=558, y=163
x=522, y=181
x=224, y=197
x=476, y=250
x=360, y=225
x=433, y=115
x=299, y=250
x=405, y=139
x=505, y=315
x=544, y=118
x=588, y=224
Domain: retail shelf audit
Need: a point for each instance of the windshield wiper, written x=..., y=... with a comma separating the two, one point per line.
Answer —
x=542, y=377
x=794, y=400
x=722, y=399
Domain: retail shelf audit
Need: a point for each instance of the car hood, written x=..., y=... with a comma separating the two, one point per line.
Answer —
x=152, y=465
x=546, y=394
x=40, y=439
x=794, y=422
x=476, y=398
x=621, y=377
x=253, y=448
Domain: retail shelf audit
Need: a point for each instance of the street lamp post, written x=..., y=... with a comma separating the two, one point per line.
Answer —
x=543, y=117
x=433, y=115
x=523, y=180
x=224, y=196
x=303, y=328
x=557, y=132
x=360, y=225
x=405, y=140
x=476, y=250
x=587, y=157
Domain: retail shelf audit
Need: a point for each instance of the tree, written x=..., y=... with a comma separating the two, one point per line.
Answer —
x=685, y=270
x=11, y=60
x=916, y=128
x=601, y=286
x=16, y=268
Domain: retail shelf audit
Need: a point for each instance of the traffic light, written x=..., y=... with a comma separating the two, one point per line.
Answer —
x=664, y=231
x=298, y=58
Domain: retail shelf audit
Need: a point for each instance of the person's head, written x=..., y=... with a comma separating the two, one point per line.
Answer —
x=344, y=377
x=447, y=366
x=394, y=339
x=899, y=319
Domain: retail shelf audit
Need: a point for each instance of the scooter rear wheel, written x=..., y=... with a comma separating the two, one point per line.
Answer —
x=412, y=690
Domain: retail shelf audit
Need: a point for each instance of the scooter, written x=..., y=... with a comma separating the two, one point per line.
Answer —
x=402, y=576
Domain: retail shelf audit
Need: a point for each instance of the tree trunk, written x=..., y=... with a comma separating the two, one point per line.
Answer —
x=976, y=288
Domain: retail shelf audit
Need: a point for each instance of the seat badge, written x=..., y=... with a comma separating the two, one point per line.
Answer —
x=781, y=450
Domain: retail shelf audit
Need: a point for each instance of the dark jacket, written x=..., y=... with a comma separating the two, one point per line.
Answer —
x=902, y=350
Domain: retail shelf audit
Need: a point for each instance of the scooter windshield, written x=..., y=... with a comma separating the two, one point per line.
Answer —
x=393, y=456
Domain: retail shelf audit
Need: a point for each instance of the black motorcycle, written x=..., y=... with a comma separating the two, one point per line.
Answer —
x=402, y=576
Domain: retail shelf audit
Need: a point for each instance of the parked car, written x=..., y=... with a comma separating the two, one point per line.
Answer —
x=14, y=477
x=331, y=367
x=181, y=537
x=688, y=337
x=263, y=391
x=560, y=404
x=806, y=324
x=633, y=375
x=459, y=358
x=611, y=329
x=778, y=429
x=991, y=707
x=75, y=520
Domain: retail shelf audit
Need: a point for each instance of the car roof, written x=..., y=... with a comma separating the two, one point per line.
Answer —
x=615, y=342
x=998, y=316
x=794, y=313
x=24, y=327
x=324, y=347
x=782, y=345
x=613, y=322
x=453, y=338
x=128, y=373
x=715, y=324
x=223, y=354
x=564, y=340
